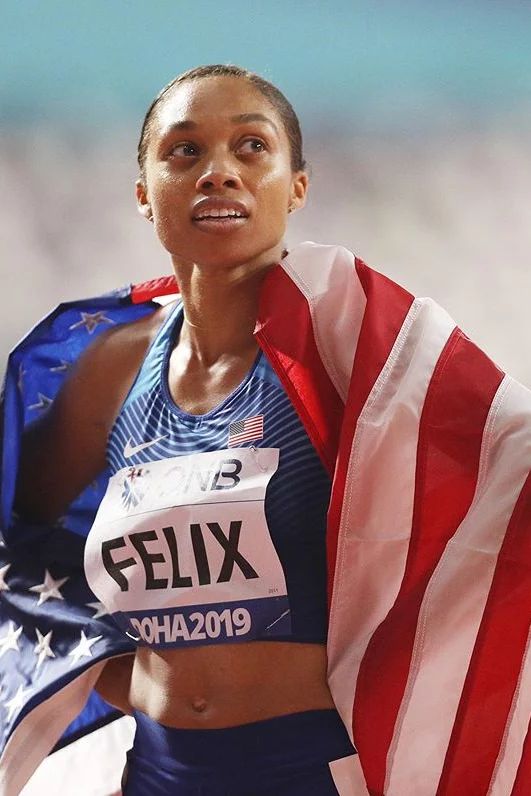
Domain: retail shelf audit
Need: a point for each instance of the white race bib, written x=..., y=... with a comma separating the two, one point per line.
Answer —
x=181, y=553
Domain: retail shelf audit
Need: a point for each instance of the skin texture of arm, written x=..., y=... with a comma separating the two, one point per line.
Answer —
x=114, y=682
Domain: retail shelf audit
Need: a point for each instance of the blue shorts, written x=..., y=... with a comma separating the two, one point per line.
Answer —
x=289, y=756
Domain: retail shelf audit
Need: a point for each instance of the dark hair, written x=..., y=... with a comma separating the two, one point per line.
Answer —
x=268, y=90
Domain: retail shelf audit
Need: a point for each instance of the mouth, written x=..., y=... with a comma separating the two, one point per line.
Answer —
x=213, y=216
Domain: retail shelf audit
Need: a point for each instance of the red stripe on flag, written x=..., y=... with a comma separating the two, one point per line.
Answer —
x=387, y=307
x=455, y=410
x=147, y=291
x=522, y=782
x=285, y=333
x=495, y=665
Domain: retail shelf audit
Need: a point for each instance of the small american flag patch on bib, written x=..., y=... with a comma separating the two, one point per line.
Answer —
x=250, y=428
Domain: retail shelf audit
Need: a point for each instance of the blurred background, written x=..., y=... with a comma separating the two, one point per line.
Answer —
x=417, y=122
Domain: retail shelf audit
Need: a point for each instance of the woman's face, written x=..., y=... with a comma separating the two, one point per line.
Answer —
x=218, y=147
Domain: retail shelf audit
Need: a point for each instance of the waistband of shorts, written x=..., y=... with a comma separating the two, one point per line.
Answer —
x=309, y=737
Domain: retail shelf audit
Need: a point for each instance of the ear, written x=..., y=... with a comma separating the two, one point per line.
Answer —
x=142, y=201
x=299, y=189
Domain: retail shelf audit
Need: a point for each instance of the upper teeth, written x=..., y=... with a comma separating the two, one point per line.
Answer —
x=218, y=213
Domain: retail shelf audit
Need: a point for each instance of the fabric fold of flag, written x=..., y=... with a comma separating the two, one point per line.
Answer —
x=53, y=632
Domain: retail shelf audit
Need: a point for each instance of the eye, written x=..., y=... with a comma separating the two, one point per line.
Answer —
x=252, y=145
x=186, y=149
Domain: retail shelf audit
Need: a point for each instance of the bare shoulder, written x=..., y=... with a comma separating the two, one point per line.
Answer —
x=107, y=369
x=73, y=433
x=135, y=334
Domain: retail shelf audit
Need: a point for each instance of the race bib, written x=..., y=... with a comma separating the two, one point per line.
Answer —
x=181, y=553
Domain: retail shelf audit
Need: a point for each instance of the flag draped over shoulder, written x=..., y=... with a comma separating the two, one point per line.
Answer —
x=54, y=635
x=429, y=527
x=429, y=446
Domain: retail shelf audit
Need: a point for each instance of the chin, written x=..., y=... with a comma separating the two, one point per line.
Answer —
x=219, y=253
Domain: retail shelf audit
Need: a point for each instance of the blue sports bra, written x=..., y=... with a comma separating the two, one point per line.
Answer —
x=212, y=529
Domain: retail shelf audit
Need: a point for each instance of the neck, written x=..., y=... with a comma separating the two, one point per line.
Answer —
x=220, y=307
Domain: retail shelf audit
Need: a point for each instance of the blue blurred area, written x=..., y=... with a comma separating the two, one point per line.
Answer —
x=374, y=63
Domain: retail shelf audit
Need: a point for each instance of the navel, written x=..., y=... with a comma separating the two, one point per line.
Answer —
x=199, y=705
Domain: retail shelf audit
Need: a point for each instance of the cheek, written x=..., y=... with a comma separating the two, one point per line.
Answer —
x=170, y=212
x=165, y=192
x=171, y=208
x=273, y=192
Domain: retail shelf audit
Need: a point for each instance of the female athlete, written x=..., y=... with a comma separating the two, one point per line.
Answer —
x=224, y=583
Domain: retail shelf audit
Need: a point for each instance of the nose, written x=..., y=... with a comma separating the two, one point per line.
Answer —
x=216, y=176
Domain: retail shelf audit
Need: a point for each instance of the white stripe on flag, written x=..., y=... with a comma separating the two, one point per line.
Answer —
x=91, y=765
x=376, y=524
x=348, y=776
x=39, y=731
x=465, y=570
x=327, y=278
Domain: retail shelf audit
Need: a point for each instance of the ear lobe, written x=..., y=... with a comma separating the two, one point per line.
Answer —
x=142, y=203
x=145, y=210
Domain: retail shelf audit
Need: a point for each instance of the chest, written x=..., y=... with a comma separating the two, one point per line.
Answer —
x=223, y=511
x=197, y=388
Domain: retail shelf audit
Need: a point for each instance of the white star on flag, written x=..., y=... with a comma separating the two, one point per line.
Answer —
x=3, y=573
x=99, y=608
x=90, y=320
x=10, y=642
x=60, y=368
x=42, y=648
x=20, y=380
x=48, y=589
x=17, y=702
x=43, y=403
x=83, y=648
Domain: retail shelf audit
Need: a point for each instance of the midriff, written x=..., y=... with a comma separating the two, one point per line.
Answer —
x=227, y=685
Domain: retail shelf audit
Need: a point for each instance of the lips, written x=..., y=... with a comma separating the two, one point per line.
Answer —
x=219, y=210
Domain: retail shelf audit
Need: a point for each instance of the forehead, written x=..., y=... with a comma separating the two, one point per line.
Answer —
x=213, y=101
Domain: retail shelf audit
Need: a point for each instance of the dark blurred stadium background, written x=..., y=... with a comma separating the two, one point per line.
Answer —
x=417, y=119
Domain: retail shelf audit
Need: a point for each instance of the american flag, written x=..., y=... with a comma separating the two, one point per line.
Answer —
x=54, y=634
x=251, y=428
x=429, y=526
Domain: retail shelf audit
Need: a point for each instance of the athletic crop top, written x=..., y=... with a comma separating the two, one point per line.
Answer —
x=212, y=528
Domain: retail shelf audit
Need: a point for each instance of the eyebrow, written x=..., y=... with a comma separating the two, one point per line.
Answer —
x=241, y=118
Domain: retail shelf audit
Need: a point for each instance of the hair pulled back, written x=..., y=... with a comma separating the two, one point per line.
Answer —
x=268, y=90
